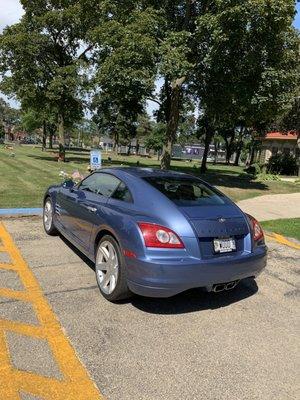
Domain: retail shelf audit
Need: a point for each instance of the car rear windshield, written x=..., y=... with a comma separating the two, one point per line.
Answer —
x=186, y=192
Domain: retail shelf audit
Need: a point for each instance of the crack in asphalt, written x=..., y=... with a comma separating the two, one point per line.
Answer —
x=274, y=275
x=56, y=264
x=56, y=292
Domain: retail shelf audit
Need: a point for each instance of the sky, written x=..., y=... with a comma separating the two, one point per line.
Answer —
x=11, y=11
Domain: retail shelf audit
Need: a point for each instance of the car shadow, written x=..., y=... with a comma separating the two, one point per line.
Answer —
x=195, y=300
x=85, y=259
x=190, y=301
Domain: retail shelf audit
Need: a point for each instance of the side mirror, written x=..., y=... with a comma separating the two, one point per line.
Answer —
x=69, y=184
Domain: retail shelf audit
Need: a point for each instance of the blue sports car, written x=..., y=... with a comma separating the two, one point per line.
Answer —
x=156, y=233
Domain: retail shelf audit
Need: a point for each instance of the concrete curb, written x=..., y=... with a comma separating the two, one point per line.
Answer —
x=282, y=240
x=9, y=212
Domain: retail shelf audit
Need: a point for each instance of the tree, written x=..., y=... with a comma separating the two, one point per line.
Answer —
x=139, y=42
x=155, y=141
x=44, y=56
x=240, y=142
x=247, y=57
x=9, y=117
x=8, y=114
x=84, y=131
x=106, y=116
x=186, y=131
x=175, y=64
x=236, y=57
x=31, y=121
x=143, y=130
x=125, y=68
x=290, y=121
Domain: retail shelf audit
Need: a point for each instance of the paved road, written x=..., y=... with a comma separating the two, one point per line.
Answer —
x=237, y=345
x=275, y=206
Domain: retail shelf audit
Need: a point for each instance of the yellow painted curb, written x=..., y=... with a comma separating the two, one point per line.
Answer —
x=282, y=240
x=76, y=383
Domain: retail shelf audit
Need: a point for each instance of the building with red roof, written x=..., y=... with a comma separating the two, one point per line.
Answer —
x=277, y=142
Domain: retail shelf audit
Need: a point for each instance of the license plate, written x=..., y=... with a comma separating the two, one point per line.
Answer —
x=224, y=245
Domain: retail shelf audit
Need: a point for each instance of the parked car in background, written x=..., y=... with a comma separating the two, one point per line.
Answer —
x=156, y=233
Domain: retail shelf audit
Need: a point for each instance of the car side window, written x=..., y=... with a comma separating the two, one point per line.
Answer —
x=122, y=193
x=102, y=184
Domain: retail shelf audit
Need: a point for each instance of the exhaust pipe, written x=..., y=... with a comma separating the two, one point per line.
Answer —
x=231, y=285
x=220, y=287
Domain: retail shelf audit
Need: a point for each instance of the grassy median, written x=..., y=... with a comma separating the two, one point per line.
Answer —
x=286, y=227
x=26, y=172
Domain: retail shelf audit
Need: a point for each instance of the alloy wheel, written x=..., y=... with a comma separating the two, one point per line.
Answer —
x=48, y=215
x=107, y=267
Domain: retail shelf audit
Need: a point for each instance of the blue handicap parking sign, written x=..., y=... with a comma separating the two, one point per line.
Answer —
x=96, y=159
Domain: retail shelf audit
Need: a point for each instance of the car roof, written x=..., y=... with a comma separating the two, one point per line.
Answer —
x=143, y=172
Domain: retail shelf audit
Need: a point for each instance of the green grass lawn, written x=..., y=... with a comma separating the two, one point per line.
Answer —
x=286, y=227
x=25, y=177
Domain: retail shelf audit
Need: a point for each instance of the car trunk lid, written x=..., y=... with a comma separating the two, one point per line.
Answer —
x=217, y=222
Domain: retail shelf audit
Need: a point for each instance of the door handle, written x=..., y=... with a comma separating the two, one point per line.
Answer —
x=91, y=209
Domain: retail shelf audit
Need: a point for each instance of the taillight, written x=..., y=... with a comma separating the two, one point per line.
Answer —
x=160, y=236
x=256, y=229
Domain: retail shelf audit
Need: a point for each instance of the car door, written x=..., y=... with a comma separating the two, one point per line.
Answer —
x=65, y=206
x=83, y=206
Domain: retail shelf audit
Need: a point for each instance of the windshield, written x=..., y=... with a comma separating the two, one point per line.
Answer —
x=187, y=192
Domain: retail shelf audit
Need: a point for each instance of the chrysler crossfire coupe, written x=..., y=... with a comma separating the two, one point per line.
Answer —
x=156, y=233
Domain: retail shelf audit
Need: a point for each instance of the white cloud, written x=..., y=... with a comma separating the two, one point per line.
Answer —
x=10, y=11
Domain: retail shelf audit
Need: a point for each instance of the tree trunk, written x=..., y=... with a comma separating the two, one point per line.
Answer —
x=252, y=154
x=208, y=138
x=172, y=125
x=51, y=133
x=129, y=149
x=227, y=150
x=173, y=103
x=216, y=144
x=44, y=136
x=229, y=143
x=165, y=162
x=239, y=147
x=238, y=155
x=62, y=140
x=51, y=129
x=116, y=141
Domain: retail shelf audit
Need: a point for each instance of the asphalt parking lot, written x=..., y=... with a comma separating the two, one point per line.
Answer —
x=240, y=345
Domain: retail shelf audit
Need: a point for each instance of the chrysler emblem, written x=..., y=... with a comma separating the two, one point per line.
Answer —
x=222, y=220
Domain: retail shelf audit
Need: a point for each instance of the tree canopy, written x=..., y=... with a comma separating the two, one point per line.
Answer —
x=233, y=63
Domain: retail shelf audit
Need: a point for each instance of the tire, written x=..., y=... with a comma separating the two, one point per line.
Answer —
x=48, y=213
x=110, y=259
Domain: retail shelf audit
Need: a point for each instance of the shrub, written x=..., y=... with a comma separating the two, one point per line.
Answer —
x=284, y=164
x=267, y=177
x=253, y=169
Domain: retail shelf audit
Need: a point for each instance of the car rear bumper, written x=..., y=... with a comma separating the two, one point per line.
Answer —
x=162, y=278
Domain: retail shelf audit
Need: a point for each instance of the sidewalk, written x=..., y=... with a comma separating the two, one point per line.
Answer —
x=270, y=207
